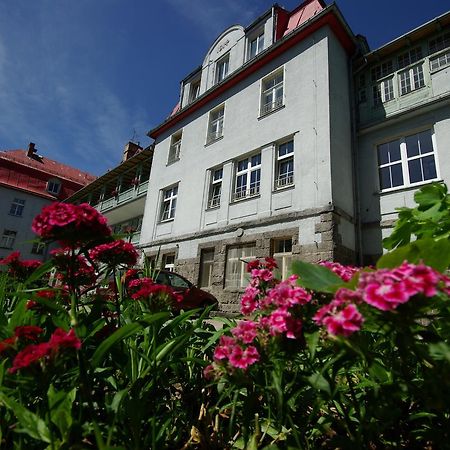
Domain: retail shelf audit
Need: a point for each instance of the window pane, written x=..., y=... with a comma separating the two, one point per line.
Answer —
x=415, y=171
x=412, y=145
x=256, y=160
x=286, y=148
x=426, y=144
x=397, y=175
x=383, y=154
x=429, y=168
x=385, y=178
x=242, y=165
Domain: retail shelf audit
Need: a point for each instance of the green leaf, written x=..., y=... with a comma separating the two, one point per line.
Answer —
x=123, y=333
x=30, y=423
x=440, y=351
x=316, y=277
x=60, y=404
x=431, y=194
x=434, y=253
x=318, y=381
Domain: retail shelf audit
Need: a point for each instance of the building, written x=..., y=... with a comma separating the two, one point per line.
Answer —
x=120, y=193
x=29, y=181
x=402, y=97
x=294, y=140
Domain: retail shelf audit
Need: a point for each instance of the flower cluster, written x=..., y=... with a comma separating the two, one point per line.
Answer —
x=146, y=289
x=20, y=268
x=344, y=272
x=74, y=270
x=115, y=253
x=70, y=224
x=43, y=351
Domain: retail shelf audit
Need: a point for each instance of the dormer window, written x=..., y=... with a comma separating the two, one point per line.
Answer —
x=222, y=66
x=194, y=90
x=255, y=46
x=54, y=186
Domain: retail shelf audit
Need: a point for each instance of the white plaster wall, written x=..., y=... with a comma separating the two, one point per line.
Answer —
x=306, y=84
x=22, y=225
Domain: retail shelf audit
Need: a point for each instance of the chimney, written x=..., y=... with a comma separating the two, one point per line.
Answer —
x=31, y=150
x=131, y=149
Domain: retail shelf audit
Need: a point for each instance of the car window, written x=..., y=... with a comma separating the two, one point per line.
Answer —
x=162, y=278
x=177, y=281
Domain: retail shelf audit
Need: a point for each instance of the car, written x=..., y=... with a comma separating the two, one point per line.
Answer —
x=193, y=297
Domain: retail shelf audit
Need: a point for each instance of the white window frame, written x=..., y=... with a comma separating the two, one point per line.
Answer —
x=236, y=275
x=215, y=187
x=257, y=39
x=168, y=203
x=440, y=61
x=411, y=79
x=194, y=90
x=206, y=267
x=168, y=262
x=215, y=124
x=276, y=100
x=54, y=186
x=410, y=57
x=383, y=91
x=285, y=179
x=382, y=70
x=439, y=43
x=283, y=257
x=405, y=160
x=222, y=68
x=175, y=147
x=252, y=169
x=17, y=207
x=8, y=238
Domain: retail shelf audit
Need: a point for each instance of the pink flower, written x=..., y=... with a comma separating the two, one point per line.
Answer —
x=20, y=269
x=251, y=265
x=62, y=339
x=29, y=332
x=277, y=321
x=115, y=253
x=241, y=359
x=344, y=272
x=223, y=350
x=385, y=296
x=246, y=331
x=30, y=355
x=249, y=303
x=7, y=343
x=263, y=274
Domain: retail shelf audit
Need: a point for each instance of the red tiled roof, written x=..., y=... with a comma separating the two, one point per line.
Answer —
x=48, y=166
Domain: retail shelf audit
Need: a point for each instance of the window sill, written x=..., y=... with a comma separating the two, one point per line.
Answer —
x=268, y=113
x=243, y=199
x=166, y=220
x=407, y=188
x=212, y=141
x=15, y=215
x=234, y=290
x=283, y=188
x=212, y=208
x=432, y=72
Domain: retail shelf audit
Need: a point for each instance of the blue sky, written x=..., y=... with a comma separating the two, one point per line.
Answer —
x=82, y=77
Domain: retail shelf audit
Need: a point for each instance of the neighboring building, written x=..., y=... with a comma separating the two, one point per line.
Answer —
x=403, y=137
x=120, y=193
x=28, y=182
x=256, y=160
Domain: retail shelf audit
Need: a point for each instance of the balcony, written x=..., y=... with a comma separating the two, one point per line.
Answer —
x=123, y=197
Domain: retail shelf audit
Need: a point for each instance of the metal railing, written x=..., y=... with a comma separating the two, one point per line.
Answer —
x=270, y=106
x=123, y=197
x=285, y=179
x=214, y=202
x=242, y=193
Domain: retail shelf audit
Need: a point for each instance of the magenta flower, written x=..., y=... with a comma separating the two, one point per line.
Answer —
x=249, y=303
x=30, y=355
x=115, y=253
x=246, y=331
x=241, y=359
x=223, y=350
x=385, y=296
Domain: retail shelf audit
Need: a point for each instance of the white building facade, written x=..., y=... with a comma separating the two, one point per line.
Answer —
x=257, y=160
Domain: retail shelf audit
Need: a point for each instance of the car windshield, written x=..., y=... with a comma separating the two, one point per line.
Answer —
x=177, y=281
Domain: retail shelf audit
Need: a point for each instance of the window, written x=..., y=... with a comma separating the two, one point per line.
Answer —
x=439, y=43
x=383, y=92
x=53, y=186
x=215, y=188
x=222, y=66
x=248, y=177
x=440, y=61
x=8, y=238
x=206, y=267
x=362, y=96
x=175, y=147
x=382, y=70
x=410, y=57
x=411, y=79
x=236, y=275
x=17, y=207
x=177, y=281
x=168, y=262
x=255, y=46
x=215, y=127
x=407, y=161
x=38, y=248
x=272, y=92
x=194, y=90
x=282, y=253
x=169, y=203
x=285, y=165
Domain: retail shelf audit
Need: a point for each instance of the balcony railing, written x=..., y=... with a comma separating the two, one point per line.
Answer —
x=285, y=179
x=213, y=136
x=214, y=202
x=242, y=193
x=271, y=106
x=123, y=197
